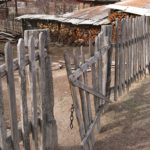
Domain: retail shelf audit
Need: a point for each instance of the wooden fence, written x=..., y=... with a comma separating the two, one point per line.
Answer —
x=34, y=130
x=130, y=55
x=11, y=26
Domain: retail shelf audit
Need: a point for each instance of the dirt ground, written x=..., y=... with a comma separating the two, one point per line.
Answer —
x=124, y=126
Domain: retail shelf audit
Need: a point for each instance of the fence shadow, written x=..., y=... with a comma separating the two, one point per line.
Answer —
x=132, y=122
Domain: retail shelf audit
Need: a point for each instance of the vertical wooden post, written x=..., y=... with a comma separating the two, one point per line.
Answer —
x=94, y=79
x=109, y=63
x=12, y=96
x=24, y=108
x=49, y=139
x=82, y=97
x=32, y=75
x=75, y=99
x=116, y=61
x=89, y=109
x=3, y=131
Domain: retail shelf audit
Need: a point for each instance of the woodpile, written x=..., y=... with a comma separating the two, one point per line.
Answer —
x=71, y=34
x=120, y=15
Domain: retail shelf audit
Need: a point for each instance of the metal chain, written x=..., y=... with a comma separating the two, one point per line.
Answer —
x=71, y=116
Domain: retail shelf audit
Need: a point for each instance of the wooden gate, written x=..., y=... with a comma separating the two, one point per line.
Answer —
x=98, y=88
x=128, y=47
x=26, y=132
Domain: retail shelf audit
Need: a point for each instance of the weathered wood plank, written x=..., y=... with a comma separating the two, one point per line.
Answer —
x=94, y=80
x=116, y=61
x=49, y=128
x=82, y=97
x=121, y=59
x=12, y=95
x=89, y=109
x=88, y=63
x=90, y=90
x=3, y=131
x=75, y=100
x=32, y=75
x=3, y=69
x=86, y=82
x=23, y=94
x=43, y=89
x=109, y=63
x=105, y=61
x=136, y=47
x=91, y=128
x=134, y=51
x=128, y=53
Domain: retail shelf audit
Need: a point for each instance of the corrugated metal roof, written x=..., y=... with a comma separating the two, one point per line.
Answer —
x=139, y=7
x=91, y=16
x=96, y=15
x=100, y=0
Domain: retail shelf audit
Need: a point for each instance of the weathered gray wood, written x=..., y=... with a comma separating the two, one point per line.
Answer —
x=94, y=80
x=100, y=67
x=89, y=109
x=43, y=91
x=86, y=82
x=32, y=75
x=75, y=99
x=105, y=61
x=147, y=48
x=90, y=90
x=109, y=63
x=144, y=45
x=134, y=51
x=91, y=128
x=99, y=75
x=88, y=63
x=142, y=50
x=128, y=52
x=12, y=96
x=49, y=129
x=3, y=131
x=116, y=61
x=3, y=69
x=121, y=59
x=139, y=49
x=82, y=97
x=24, y=109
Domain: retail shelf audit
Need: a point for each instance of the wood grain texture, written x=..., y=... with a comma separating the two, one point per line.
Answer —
x=12, y=95
x=3, y=131
x=49, y=138
x=32, y=75
x=23, y=94
x=75, y=100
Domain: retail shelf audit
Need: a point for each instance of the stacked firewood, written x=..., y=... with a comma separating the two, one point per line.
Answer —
x=52, y=27
x=120, y=15
x=71, y=34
